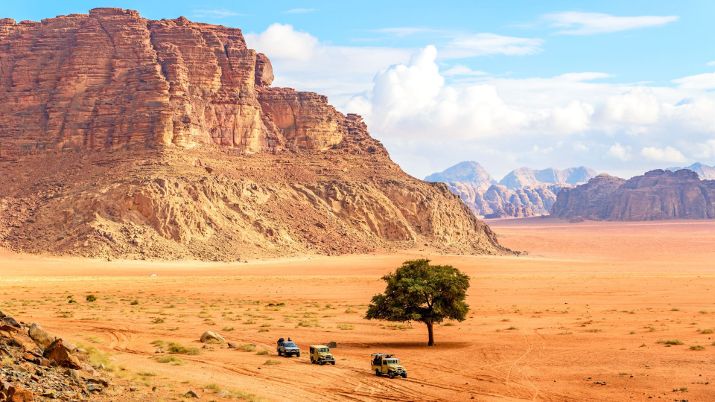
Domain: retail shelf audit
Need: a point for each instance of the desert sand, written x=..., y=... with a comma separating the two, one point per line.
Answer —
x=585, y=315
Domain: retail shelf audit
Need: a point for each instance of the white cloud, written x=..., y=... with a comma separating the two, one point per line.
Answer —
x=215, y=13
x=301, y=61
x=710, y=63
x=462, y=70
x=699, y=81
x=584, y=23
x=666, y=154
x=619, y=151
x=281, y=41
x=638, y=106
x=300, y=11
x=482, y=44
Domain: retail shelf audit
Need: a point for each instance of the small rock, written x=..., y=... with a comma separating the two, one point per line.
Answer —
x=212, y=337
x=191, y=394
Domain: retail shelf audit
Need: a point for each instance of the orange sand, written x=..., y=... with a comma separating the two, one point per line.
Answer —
x=578, y=318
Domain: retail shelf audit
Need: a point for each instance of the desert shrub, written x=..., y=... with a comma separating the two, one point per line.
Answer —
x=178, y=349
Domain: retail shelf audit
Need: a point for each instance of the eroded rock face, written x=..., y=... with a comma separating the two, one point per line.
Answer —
x=113, y=80
x=133, y=138
x=658, y=194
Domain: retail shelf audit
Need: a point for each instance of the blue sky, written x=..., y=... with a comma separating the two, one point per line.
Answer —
x=622, y=86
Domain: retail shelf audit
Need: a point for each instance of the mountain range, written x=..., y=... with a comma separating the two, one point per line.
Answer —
x=705, y=172
x=522, y=192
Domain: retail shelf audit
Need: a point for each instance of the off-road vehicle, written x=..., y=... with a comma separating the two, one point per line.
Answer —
x=287, y=348
x=389, y=365
x=320, y=354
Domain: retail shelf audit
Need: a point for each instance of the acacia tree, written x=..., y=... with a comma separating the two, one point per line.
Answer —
x=418, y=291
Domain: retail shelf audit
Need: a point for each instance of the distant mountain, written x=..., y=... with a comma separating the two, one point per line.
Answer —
x=705, y=172
x=525, y=177
x=658, y=194
x=464, y=172
x=523, y=192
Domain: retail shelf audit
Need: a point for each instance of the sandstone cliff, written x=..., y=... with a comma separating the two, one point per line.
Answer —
x=658, y=194
x=521, y=193
x=127, y=137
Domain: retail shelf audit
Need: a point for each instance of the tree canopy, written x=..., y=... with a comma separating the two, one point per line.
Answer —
x=418, y=291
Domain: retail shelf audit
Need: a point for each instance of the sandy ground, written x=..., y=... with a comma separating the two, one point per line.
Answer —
x=584, y=316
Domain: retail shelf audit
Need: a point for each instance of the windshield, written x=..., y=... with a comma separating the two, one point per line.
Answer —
x=392, y=361
x=289, y=344
x=324, y=350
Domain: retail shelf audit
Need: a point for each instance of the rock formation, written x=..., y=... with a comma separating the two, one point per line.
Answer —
x=521, y=193
x=659, y=194
x=127, y=137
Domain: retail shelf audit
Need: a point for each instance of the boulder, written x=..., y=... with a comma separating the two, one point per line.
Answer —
x=60, y=355
x=40, y=336
x=212, y=337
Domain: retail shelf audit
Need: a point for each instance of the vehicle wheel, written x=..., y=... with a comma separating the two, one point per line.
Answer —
x=404, y=375
x=297, y=355
x=333, y=363
x=377, y=373
x=322, y=363
x=280, y=353
x=390, y=375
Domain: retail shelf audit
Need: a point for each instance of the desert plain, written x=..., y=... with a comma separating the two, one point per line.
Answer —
x=594, y=311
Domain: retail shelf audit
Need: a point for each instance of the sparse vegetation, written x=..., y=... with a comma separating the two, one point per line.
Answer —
x=173, y=360
x=697, y=347
x=271, y=362
x=179, y=349
x=247, y=347
x=345, y=327
x=706, y=331
x=671, y=342
x=91, y=298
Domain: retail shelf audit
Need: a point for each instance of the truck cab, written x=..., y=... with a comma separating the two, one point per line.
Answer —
x=287, y=348
x=320, y=354
x=387, y=364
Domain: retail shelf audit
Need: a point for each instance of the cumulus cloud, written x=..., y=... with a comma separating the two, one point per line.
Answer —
x=583, y=23
x=281, y=41
x=665, y=154
x=699, y=81
x=619, y=151
x=301, y=61
x=638, y=106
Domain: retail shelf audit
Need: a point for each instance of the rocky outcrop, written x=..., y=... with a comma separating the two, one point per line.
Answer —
x=521, y=193
x=658, y=194
x=588, y=201
x=127, y=137
x=31, y=372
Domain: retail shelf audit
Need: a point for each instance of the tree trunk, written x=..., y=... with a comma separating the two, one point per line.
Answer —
x=430, y=333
